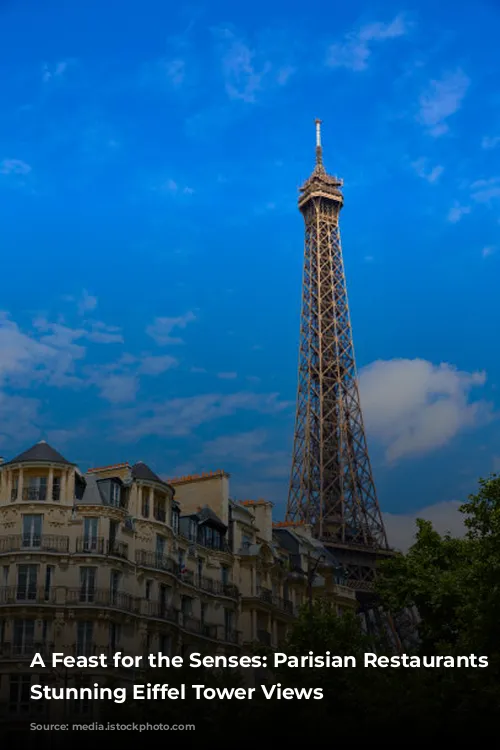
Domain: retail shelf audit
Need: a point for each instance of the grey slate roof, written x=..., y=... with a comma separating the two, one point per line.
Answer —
x=42, y=452
x=206, y=514
x=140, y=470
x=91, y=493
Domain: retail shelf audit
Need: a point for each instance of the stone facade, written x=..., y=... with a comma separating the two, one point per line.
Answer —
x=118, y=559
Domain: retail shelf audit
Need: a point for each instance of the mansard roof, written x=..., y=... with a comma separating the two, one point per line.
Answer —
x=140, y=470
x=41, y=452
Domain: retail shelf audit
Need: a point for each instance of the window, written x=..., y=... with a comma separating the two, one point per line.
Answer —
x=200, y=568
x=84, y=633
x=228, y=623
x=49, y=572
x=114, y=636
x=160, y=546
x=208, y=536
x=203, y=612
x=164, y=599
x=19, y=693
x=246, y=541
x=145, y=505
x=113, y=547
x=175, y=520
x=182, y=559
x=24, y=636
x=36, y=489
x=115, y=494
x=26, y=582
x=90, y=529
x=87, y=584
x=5, y=575
x=56, y=489
x=32, y=531
x=186, y=605
x=149, y=588
x=165, y=645
x=114, y=585
x=193, y=530
x=224, y=575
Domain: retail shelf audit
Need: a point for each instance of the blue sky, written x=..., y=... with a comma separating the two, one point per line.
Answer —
x=152, y=248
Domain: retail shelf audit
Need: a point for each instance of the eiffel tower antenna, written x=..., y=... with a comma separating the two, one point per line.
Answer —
x=331, y=483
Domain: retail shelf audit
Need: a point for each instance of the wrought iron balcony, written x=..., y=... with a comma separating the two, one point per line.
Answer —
x=91, y=545
x=188, y=622
x=218, y=587
x=35, y=494
x=265, y=595
x=231, y=636
x=209, y=630
x=86, y=596
x=155, y=560
x=24, y=648
x=160, y=610
x=117, y=549
x=29, y=542
x=26, y=594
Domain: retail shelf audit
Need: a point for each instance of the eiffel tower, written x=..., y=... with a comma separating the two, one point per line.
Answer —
x=331, y=483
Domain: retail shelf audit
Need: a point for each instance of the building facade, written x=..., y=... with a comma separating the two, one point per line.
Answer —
x=118, y=559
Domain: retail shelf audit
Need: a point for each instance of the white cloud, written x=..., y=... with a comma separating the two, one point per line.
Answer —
x=489, y=142
x=456, y=212
x=431, y=174
x=484, y=191
x=14, y=167
x=161, y=328
x=157, y=365
x=354, y=51
x=442, y=99
x=248, y=71
x=180, y=416
x=51, y=72
x=117, y=388
x=227, y=375
x=487, y=251
x=87, y=303
x=171, y=186
x=412, y=406
x=19, y=419
x=445, y=517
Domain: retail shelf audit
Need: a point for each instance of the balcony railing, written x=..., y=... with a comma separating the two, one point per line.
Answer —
x=209, y=631
x=160, y=610
x=99, y=546
x=95, y=545
x=156, y=560
x=25, y=648
x=26, y=594
x=267, y=596
x=26, y=542
x=117, y=549
x=87, y=596
x=218, y=587
x=231, y=636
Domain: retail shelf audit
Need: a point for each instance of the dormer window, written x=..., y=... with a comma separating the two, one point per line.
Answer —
x=175, y=520
x=192, y=530
x=115, y=494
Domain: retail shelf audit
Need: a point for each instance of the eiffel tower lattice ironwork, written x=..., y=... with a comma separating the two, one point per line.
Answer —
x=331, y=484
